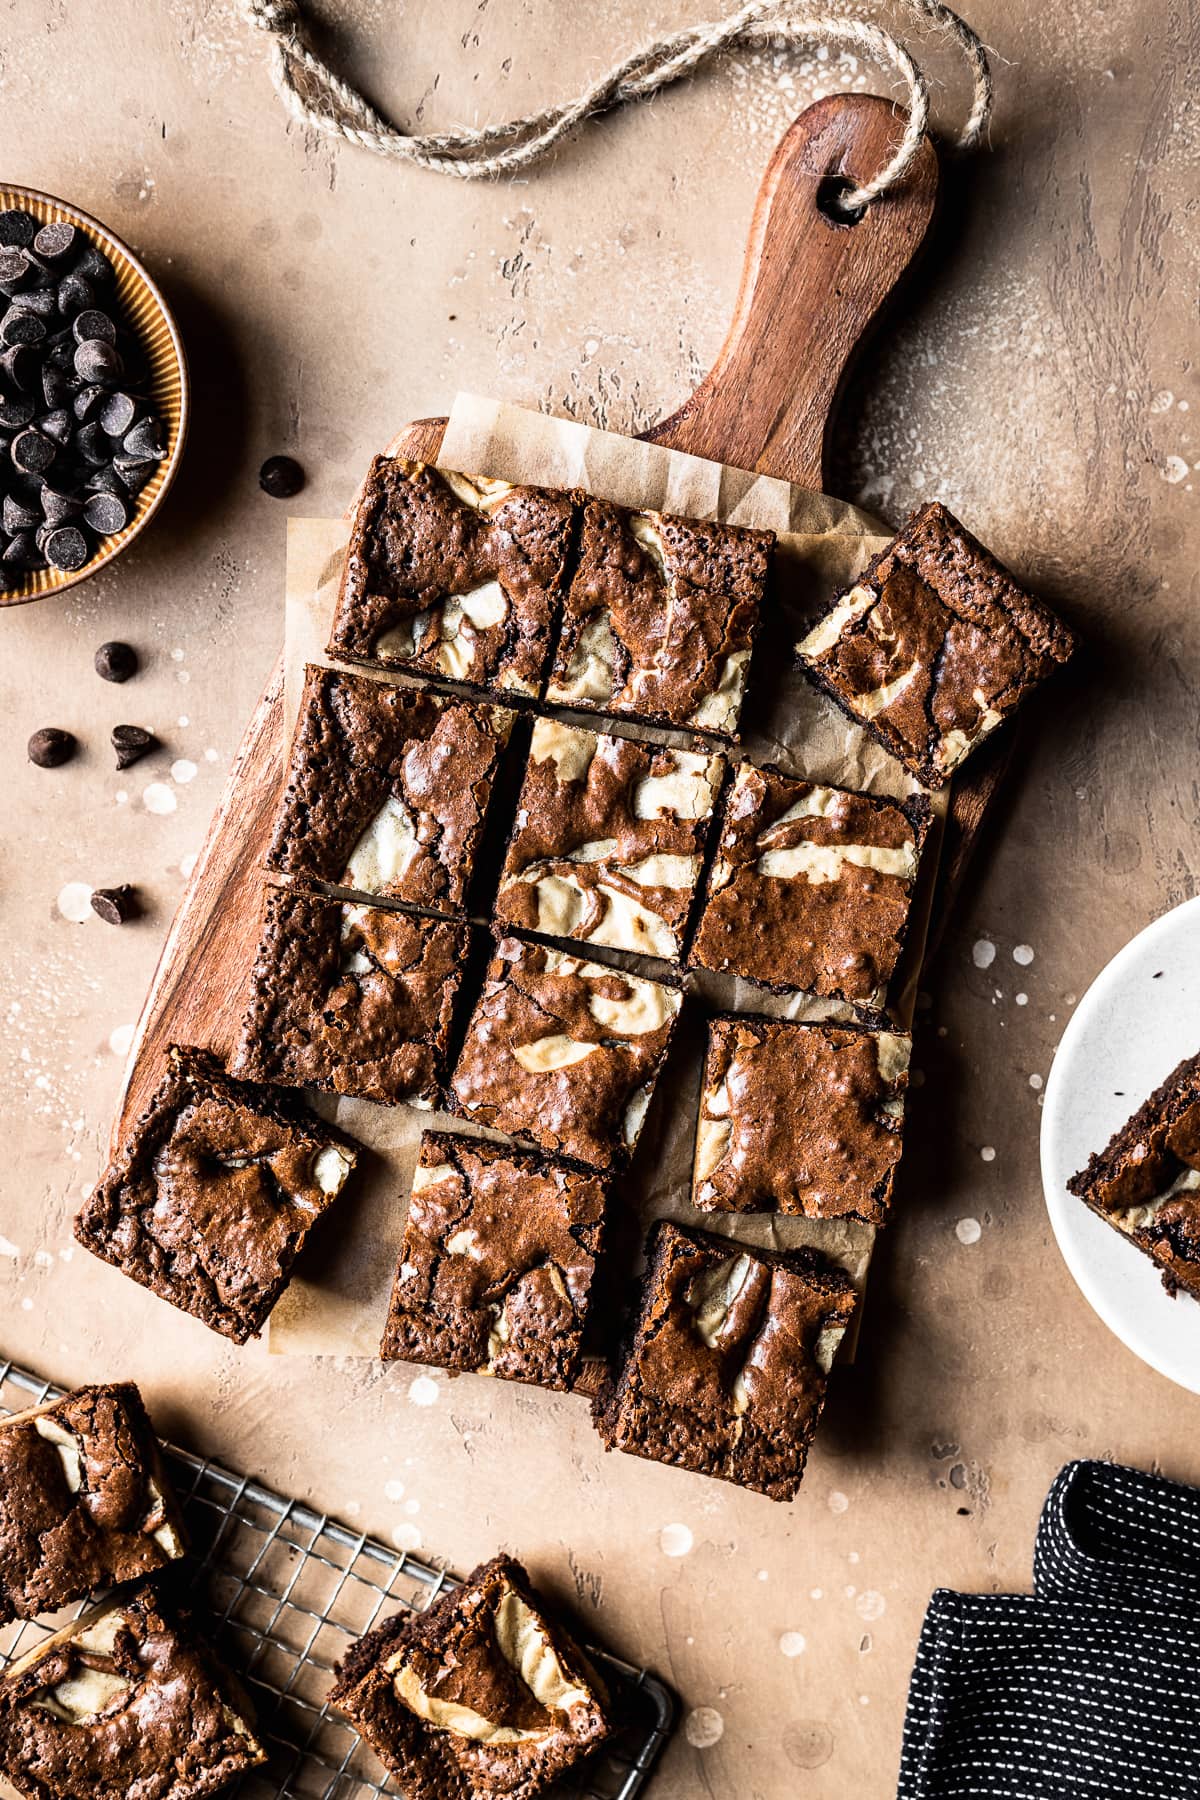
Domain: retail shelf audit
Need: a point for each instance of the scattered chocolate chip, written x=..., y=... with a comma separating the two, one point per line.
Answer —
x=49, y=748
x=16, y=411
x=21, y=327
x=131, y=743
x=19, y=367
x=117, y=414
x=16, y=516
x=38, y=301
x=86, y=401
x=92, y=444
x=96, y=360
x=94, y=266
x=106, y=513
x=133, y=475
x=17, y=229
x=57, y=508
x=144, y=443
x=57, y=425
x=281, y=477
x=75, y=295
x=56, y=241
x=22, y=552
x=94, y=325
x=115, y=905
x=56, y=386
x=67, y=549
x=16, y=272
x=31, y=452
x=116, y=661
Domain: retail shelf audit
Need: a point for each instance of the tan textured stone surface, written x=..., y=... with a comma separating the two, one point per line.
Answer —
x=1038, y=381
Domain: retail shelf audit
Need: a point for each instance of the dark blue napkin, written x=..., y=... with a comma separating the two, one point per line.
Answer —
x=1090, y=1686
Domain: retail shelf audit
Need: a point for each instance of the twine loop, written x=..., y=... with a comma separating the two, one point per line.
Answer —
x=319, y=99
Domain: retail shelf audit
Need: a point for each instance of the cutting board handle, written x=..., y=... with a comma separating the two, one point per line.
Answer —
x=812, y=283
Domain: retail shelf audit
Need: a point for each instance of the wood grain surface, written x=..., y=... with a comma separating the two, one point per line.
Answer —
x=811, y=288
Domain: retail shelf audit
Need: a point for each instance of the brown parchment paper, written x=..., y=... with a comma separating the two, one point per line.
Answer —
x=337, y=1301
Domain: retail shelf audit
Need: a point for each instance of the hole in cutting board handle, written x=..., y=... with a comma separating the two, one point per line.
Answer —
x=831, y=198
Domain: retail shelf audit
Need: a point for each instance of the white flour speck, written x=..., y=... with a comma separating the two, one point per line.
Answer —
x=968, y=1231
x=27, y=1304
x=675, y=1540
x=704, y=1727
x=1174, y=470
x=177, y=655
x=75, y=901
x=1035, y=1081
x=187, y=865
x=119, y=1039
x=424, y=1391
x=412, y=1507
x=816, y=1594
x=406, y=1537
x=1163, y=401
x=764, y=1575
x=8, y=1248
x=183, y=771
x=838, y=1501
x=987, y=1154
x=983, y=953
x=211, y=755
x=121, y=797
x=158, y=798
x=1023, y=954
x=1022, y=999
x=792, y=1643
x=393, y=1490
x=870, y=1605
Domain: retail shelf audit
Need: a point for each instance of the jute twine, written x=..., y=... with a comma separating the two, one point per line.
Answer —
x=318, y=98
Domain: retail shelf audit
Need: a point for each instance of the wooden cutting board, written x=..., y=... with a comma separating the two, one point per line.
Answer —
x=811, y=286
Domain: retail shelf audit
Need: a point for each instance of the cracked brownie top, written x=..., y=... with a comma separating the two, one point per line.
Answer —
x=84, y=1500
x=387, y=789
x=453, y=575
x=211, y=1198
x=934, y=645
x=660, y=617
x=496, y=1271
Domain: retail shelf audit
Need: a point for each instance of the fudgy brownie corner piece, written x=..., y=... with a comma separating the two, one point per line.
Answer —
x=496, y=1271
x=726, y=1367
x=660, y=617
x=608, y=840
x=84, y=1500
x=485, y=1694
x=564, y=1053
x=210, y=1200
x=810, y=887
x=934, y=645
x=387, y=789
x=453, y=575
x=124, y=1701
x=1146, y=1181
x=800, y=1118
x=356, y=999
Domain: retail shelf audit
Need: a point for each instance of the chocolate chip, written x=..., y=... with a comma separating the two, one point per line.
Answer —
x=16, y=411
x=57, y=425
x=94, y=266
x=35, y=300
x=21, y=552
x=115, y=905
x=96, y=360
x=133, y=474
x=19, y=368
x=86, y=401
x=32, y=452
x=16, y=516
x=49, y=748
x=56, y=386
x=105, y=481
x=57, y=507
x=131, y=743
x=144, y=443
x=16, y=271
x=17, y=228
x=281, y=477
x=67, y=549
x=75, y=295
x=92, y=444
x=21, y=327
x=116, y=661
x=95, y=325
x=117, y=414
x=56, y=241
x=106, y=513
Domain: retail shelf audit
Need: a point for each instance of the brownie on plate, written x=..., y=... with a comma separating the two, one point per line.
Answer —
x=387, y=789
x=453, y=575
x=209, y=1201
x=496, y=1271
x=563, y=1052
x=483, y=1694
x=934, y=645
x=799, y=1118
x=726, y=1367
x=810, y=887
x=660, y=617
x=608, y=840
x=1146, y=1182
x=123, y=1702
x=357, y=999
x=84, y=1500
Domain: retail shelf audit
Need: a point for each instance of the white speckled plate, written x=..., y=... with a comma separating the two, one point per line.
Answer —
x=1138, y=1019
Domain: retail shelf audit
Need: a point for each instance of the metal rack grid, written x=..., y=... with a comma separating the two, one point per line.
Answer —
x=290, y=1590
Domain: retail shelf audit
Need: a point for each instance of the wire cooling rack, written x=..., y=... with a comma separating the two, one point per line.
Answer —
x=290, y=1589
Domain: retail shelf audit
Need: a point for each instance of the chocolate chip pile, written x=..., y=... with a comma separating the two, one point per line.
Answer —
x=78, y=436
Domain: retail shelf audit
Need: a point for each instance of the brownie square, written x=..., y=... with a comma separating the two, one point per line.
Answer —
x=934, y=645
x=810, y=887
x=660, y=617
x=726, y=1366
x=799, y=1118
x=387, y=789
x=564, y=1053
x=481, y=1695
x=496, y=1272
x=84, y=1500
x=453, y=575
x=124, y=1701
x=356, y=999
x=1146, y=1181
x=210, y=1200
x=608, y=840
